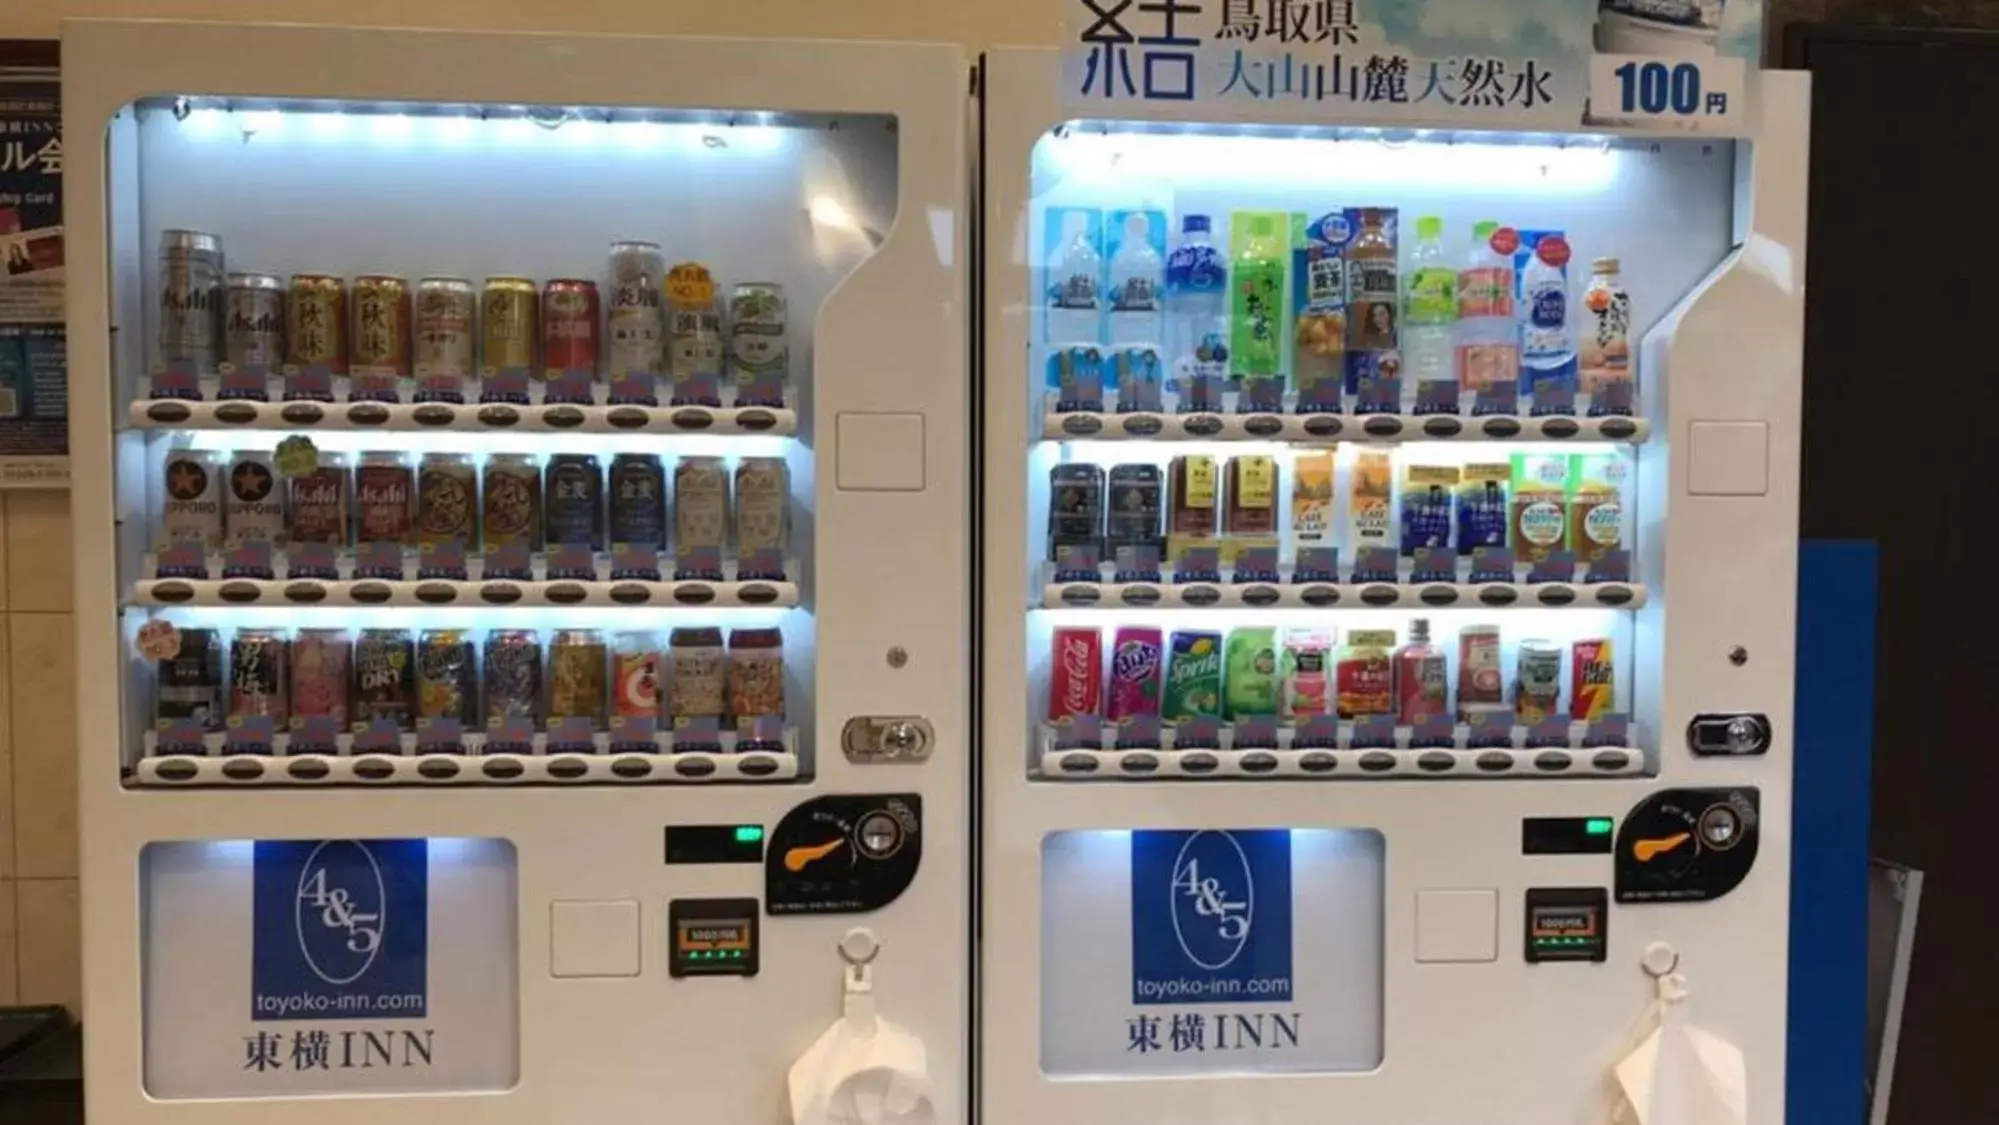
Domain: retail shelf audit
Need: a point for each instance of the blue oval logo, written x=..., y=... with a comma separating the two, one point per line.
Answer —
x=342, y=911
x=1214, y=899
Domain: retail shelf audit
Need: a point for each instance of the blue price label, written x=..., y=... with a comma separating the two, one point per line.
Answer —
x=1699, y=94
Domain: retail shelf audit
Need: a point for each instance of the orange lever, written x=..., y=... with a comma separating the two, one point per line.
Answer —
x=797, y=858
x=1644, y=850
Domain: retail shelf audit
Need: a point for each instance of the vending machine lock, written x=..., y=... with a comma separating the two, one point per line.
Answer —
x=887, y=738
x=1728, y=735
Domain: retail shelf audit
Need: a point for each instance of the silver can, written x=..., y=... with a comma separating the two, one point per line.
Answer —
x=636, y=317
x=694, y=336
x=255, y=503
x=763, y=506
x=191, y=299
x=447, y=337
x=759, y=349
x=254, y=321
x=193, y=506
x=700, y=504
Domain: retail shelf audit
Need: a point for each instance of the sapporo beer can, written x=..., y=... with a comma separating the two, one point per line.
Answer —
x=190, y=682
x=322, y=668
x=763, y=506
x=636, y=324
x=700, y=504
x=254, y=322
x=570, y=325
x=445, y=342
x=447, y=501
x=759, y=349
x=635, y=675
x=190, y=310
x=511, y=504
x=259, y=676
x=316, y=322
x=512, y=677
x=577, y=664
x=638, y=500
x=379, y=339
x=447, y=678
x=255, y=509
x=384, y=491
x=573, y=505
x=322, y=501
x=508, y=323
x=384, y=678
x=193, y=508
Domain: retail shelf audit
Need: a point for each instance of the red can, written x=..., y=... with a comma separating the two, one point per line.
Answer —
x=569, y=325
x=384, y=494
x=1077, y=685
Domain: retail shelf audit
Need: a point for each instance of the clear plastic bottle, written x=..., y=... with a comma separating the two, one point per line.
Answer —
x=1136, y=274
x=1196, y=302
x=1606, y=348
x=1078, y=268
x=1488, y=339
x=1547, y=347
x=1430, y=311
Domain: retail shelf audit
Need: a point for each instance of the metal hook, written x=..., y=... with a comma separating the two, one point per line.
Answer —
x=1660, y=960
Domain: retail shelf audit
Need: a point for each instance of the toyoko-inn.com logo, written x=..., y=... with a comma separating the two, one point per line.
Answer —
x=341, y=929
x=1211, y=916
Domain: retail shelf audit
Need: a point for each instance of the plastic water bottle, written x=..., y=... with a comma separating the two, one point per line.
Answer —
x=1547, y=347
x=1430, y=310
x=1196, y=323
x=1488, y=338
x=1136, y=275
x=1078, y=268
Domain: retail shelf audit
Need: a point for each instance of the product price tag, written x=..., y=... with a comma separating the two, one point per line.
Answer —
x=1320, y=396
x=1699, y=94
x=698, y=564
x=1499, y=397
x=504, y=384
x=250, y=381
x=250, y=734
x=444, y=559
x=1256, y=564
x=158, y=640
x=690, y=283
x=1434, y=732
x=312, y=560
x=765, y=564
x=179, y=379
x=1198, y=564
x=639, y=388
x=508, y=562
x=1319, y=732
x=1201, y=395
x=1436, y=396
x=1491, y=564
x=569, y=385
x=440, y=736
x=314, y=734
x=761, y=732
x=1554, y=396
x=1613, y=565
x=1079, y=732
x=697, y=734
x=383, y=560
x=1374, y=732
x=1435, y=564
x=1492, y=730
x=1610, y=730
x=312, y=382
x=1140, y=732
x=249, y=559
x=1551, y=732
x=378, y=736
x=296, y=456
x=373, y=384
x=182, y=558
x=1137, y=564
x=634, y=562
x=511, y=735
x=1140, y=393
x=1203, y=732
x=696, y=389
x=1076, y=562
x=1379, y=394
x=634, y=734
x=571, y=562
x=1316, y=564
x=1261, y=396
x=434, y=387
x=574, y=734
x=1559, y=566
x=1375, y=564
x=181, y=736
x=1257, y=732
x=1611, y=397
x=765, y=388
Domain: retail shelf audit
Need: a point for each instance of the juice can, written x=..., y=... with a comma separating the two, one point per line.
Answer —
x=254, y=322
x=510, y=502
x=1250, y=680
x=384, y=678
x=447, y=501
x=573, y=502
x=447, y=677
x=255, y=509
x=1481, y=686
x=1137, y=659
x=322, y=666
x=509, y=327
x=316, y=322
x=190, y=682
x=511, y=676
x=1593, y=670
x=1076, y=686
x=756, y=675
x=384, y=491
x=1365, y=675
x=635, y=666
x=379, y=339
x=700, y=676
x=1537, y=681
x=1193, y=686
x=259, y=676
x=321, y=502
x=638, y=500
x=577, y=665
x=1308, y=673
x=570, y=339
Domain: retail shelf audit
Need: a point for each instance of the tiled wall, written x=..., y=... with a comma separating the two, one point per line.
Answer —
x=39, y=950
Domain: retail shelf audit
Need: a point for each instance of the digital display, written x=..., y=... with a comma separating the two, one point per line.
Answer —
x=1566, y=924
x=714, y=843
x=712, y=937
x=1567, y=835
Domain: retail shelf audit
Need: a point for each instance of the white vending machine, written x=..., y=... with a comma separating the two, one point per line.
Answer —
x=492, y=453
x=1390, y=511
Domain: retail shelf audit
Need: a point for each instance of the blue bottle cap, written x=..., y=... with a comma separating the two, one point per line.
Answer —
x=1191, y=224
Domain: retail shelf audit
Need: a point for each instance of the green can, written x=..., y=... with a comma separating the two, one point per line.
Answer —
x=1252, y=673
x=1193, y=678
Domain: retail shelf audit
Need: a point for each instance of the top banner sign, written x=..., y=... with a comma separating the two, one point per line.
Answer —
x=1538, y=64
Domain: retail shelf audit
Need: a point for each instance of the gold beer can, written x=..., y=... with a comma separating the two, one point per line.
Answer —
x=510, y=323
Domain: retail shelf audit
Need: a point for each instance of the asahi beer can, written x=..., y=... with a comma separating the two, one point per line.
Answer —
x=322, y=500
x=763, y=506
x=445, y=342
x=384, y=678
x=573, y=503
x=635, y=675
x=190, y=682
x=447, y=501
x=700, y=504
x=577, y=664
x=379, y=341
x=759, y=348
x=316, y=322
x=636, y=325
x=259, y=676
x=509, y=326
x=191, y=300
x=570, y=325
x=1537, y=683
x=512, y=677
x=700, y=688
x=322, y=668
x=638, y=500
x=384, y=494
x=193, y=508
x=694, y=335
x=255, y=508
x=254, y=322
x=511, y=504
x=447, y=677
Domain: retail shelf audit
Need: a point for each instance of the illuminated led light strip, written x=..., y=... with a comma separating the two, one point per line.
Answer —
x=1562, y=625
x=1190, y=159
x=499, y=127
x=1504, y=597
x=501, y=441
x=312, y=595
x=269, y=770
x=1332, y=428
x=480, y=620
x=1340, y=765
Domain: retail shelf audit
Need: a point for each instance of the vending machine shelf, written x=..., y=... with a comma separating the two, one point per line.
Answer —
x=1328, y=595
x=280, y=770
x=1147, y=763
x=489, y=418
x=1329, y=429
x=307, y=592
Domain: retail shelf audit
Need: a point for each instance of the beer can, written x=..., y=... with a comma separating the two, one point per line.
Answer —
x=763, y=506
x=445, y=344
x=193, y=508
x=573, y=503
x=379, y=338
x=759, y=348
x=694, y=335
x=316, y=322
x=255, y=508
x=512, y=676
x=756, y=675
x=569, y=325
x=384, y=489
x=636, y=325
x=254, y=322
x=635, y=667
x=191, y=300
x=447, y=501
x=638, y=500
x=384, y=678
x=511, y=504
x=259, y=676
x=1537, y=682
x=321, y=501
x=700, y=686
x=190, y=682
x=576, y=668
x=447, y=677
x=322, y=669
x=700, y=504
x=508, y=328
